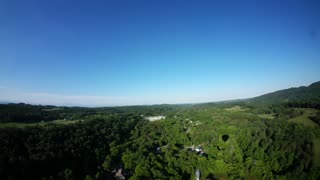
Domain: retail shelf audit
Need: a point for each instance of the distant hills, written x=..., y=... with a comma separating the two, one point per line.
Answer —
x=303, y=94
x=308, y=97
x=309, y=93
x=4, y=102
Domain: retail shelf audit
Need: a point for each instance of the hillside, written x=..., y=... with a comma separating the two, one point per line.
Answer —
x=222, y=140
x=310, y=94
x=296, y=97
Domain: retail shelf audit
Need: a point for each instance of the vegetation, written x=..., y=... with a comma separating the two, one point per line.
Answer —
x=300, y=97
x=52, y=150
x=228, y=140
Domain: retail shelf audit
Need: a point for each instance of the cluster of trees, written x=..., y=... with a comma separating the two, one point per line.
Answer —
x=25, y=113
x=61, y=151
x=237, y=144
x=275, y=149
x=36, y=113
x=306, y=96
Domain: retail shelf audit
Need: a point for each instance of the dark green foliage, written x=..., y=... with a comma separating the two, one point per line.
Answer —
x=78, y=149
x=235, y=149
x=36, y=113
x=316, y=118
x=249, y=139
x=274, y=147
x=29, y=113
x=236, y=145
x=308, y=97
x=25, y=113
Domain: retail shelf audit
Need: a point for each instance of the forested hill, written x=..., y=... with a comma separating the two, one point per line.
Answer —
x=303, y=94
x=232, y=140
x=37, y=113
x=294, y=97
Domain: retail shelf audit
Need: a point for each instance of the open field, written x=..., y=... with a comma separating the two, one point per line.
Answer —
x=22, y=125
x=236, y=109
x=304, y=118
x=266, y=116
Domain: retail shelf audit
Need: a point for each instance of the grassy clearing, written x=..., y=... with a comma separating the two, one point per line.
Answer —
x=304, y=118
x=61, y=121
x=266, y=116
x=316, y=151
x=235, y=109
x=22, y=125
x=19, y=125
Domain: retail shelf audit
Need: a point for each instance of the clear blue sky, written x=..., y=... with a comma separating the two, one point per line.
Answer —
x=117, y=52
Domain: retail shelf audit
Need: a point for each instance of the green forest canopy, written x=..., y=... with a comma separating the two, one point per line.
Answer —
x=227, y=140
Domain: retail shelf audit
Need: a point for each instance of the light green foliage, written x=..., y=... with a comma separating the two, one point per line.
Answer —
x=22, y=125
x=255, y=148
x=304, y=118
x=236, y=109
x=266, y=116
x=316, y=145
x=239, y=141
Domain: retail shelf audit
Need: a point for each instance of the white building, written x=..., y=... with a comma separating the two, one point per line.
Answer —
x=155, y=118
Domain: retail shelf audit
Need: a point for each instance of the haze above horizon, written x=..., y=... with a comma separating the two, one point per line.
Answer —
x=102, y=53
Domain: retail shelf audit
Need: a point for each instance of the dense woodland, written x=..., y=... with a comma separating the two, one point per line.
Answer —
x=246, y=139
x=36, y=113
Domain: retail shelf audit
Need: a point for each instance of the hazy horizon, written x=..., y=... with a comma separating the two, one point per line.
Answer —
x=113, y=53
x=91, y=101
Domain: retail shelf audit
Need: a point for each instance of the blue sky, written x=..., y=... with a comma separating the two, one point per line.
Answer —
x=101, y=53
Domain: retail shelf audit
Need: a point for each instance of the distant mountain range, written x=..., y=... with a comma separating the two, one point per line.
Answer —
x=4, y=102
x=309, y=93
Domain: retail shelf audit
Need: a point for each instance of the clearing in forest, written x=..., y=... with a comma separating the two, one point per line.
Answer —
x=155, y=118
x=22, y=125
x=304, y=118
x=266, y=116
x=236, y=109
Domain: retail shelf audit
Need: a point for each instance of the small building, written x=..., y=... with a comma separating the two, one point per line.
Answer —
x=155, y=118
x=199, y=149
x=119, y=175
x=200, y=152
